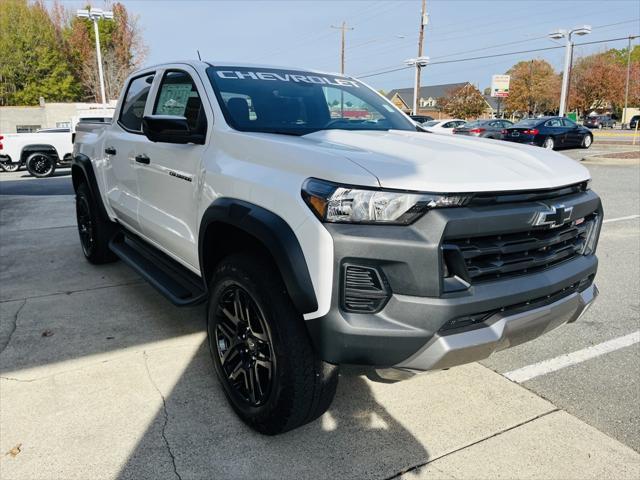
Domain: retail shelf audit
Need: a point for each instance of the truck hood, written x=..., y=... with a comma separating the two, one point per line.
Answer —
x=437, y=163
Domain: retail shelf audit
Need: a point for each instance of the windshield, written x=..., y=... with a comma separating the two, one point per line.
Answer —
x=528, y=122
x=297, y=103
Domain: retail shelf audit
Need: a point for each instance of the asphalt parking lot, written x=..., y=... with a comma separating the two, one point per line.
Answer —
x=100, y=377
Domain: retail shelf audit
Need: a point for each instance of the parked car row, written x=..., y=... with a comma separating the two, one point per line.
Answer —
x=547, y=132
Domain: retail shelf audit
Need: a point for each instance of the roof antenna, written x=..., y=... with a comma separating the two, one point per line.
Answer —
x=199, y=58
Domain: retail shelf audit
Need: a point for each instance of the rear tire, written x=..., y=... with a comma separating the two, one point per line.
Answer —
x=8, y=166
x=95, y=231
x=41, y=165
x=549, y=143
x=261, y=350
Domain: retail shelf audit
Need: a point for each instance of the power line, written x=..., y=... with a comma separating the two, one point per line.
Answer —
x=505, y=54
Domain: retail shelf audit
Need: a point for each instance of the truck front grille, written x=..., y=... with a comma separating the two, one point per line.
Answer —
x=478, y=259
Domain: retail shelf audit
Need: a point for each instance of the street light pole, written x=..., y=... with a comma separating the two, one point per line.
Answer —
x=99, y=56
x=565, y=76
x=95, y=14
x=584, y=30
x=418, y=63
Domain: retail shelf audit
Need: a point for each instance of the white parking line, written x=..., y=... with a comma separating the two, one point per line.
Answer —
x=619, y=219
x=554, y=364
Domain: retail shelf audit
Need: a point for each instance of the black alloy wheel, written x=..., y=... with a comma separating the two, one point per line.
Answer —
x=244, y=345
x=41, y=165
x=85, y=225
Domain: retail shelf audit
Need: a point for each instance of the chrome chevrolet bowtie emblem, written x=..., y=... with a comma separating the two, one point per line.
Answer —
x=556, y=216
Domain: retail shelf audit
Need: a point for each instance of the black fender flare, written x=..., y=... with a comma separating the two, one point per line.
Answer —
x=277, y=237
x=27, y=150
x=81, y=166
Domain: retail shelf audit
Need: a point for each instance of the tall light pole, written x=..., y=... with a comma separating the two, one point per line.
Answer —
x=419, y=63
x=568, y=55
x=95, y=14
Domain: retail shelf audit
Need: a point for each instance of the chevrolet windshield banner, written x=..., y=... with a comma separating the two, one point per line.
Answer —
x=283, y=76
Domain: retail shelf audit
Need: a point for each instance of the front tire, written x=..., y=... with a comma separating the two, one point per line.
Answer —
x=587, y=140
x=261, y=350
x=95, y=231
x=41, y=165
x=549, y=143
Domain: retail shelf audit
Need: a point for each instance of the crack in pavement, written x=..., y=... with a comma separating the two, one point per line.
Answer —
x=71, y=292
x=505, y=430
x=15, y=326
x=198, y=353
x=166, y=416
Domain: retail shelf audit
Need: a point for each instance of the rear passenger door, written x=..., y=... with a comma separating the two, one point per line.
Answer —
x=573, y=135
x=169, y=181
x=121, y=142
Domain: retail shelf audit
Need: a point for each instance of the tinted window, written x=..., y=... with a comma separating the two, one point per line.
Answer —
x=554, y=122
x=298, y=102
x=134, y=102
x=179, y=96
x=568, y=123
x=506, y=124
x=528, y=122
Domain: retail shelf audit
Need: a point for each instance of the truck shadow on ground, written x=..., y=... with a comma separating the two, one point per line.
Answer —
x=194, y=432
x=197, y=435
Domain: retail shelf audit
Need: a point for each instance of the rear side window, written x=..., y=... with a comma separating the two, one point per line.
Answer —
x=179, y=96
x=134, y=102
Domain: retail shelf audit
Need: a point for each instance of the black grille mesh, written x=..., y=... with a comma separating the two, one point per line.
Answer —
x=476, y=259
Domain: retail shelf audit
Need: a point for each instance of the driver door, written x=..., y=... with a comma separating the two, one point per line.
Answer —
x=168, y=180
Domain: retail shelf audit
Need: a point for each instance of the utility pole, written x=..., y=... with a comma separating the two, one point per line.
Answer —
x=424, y=19
x=343, y=29
x=626, y=88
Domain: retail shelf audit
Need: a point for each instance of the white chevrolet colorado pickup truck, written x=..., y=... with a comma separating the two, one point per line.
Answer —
x=323, y=229
x=40, y=152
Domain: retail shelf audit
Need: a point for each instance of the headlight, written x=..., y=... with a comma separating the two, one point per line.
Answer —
x=592, y=234
x=347, y=204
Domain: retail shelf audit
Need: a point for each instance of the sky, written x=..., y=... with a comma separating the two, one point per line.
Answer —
x=298, y=33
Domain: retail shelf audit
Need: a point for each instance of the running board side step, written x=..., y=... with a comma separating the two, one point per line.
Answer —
x=181, y=286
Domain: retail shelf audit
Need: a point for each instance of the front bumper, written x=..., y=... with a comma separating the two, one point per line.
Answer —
x=412, y=330
x=501, y=331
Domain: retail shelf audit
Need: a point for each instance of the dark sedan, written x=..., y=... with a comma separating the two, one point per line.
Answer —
x=421, y=118
x=549, y=132
x=483, y=128
x=599, y=121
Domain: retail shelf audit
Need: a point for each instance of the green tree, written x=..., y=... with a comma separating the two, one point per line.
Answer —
x=597, y=81
x=32, y=63
x=121, y=45
x=463, y=102
x=534, y=87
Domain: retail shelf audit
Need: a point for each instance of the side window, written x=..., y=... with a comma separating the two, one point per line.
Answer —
x=179, y=96
x=448, y=125
x=568, y=123
x=134, y=102
x=554, y=122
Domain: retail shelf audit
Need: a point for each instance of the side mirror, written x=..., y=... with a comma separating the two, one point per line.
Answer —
x=169, y=129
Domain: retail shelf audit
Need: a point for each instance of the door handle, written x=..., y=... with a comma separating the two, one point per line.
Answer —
x=143, y=159
x=110, y=151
